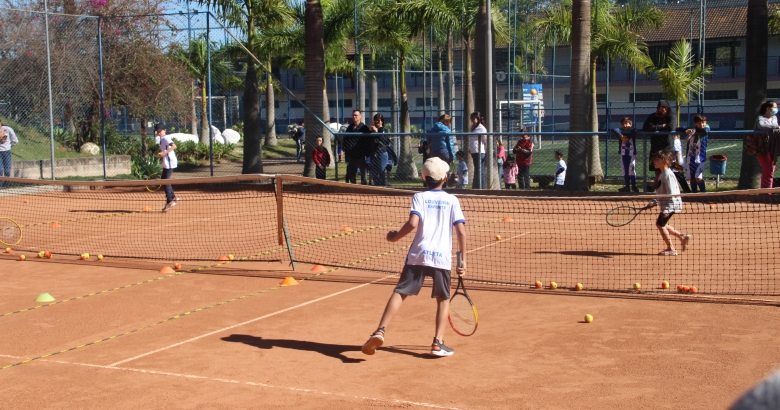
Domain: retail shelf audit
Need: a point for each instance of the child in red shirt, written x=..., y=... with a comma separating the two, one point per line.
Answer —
x=321, y=159
x=524, y=153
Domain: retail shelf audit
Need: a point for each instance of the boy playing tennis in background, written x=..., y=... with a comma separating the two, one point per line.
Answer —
x=434, y=213
x=169, y=162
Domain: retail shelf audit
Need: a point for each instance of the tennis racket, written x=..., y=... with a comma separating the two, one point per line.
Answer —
x=10, y=232
x=463, y=314
x=624, y=215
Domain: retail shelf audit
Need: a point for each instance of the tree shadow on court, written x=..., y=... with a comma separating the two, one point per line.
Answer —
x=597, y=254
x=328, y=349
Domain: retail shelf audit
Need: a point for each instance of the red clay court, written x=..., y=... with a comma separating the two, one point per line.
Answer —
x=225, y=334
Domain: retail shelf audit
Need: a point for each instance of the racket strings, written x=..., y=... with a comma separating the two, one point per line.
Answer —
x=10, y=233
x=462, y=314
x=621, y=215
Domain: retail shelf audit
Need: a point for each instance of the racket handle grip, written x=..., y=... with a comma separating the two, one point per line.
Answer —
x=460, y=259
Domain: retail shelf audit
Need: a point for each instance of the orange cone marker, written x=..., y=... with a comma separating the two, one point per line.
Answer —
x=55, y=225
x=223, y=258
x=507, y=219
x=317, y=268
x=167, y=270
x=289, y=281
x=346, y=229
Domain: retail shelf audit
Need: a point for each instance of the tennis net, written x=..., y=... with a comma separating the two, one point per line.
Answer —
x=514, y=239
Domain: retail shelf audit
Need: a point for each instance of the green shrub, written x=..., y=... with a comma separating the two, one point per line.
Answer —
x=145, y=166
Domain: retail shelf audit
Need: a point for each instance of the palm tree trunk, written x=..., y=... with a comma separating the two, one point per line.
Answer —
x=362, y=84
x=327, y=135
x=204, y=114
x=755, y=85
x=253, y=151
x=194, y=119
x=577, y=172
x=270, y=109
x=594, y=149
x=442, y=105
x=314, y=78
x=468, y=86
x=406, y=167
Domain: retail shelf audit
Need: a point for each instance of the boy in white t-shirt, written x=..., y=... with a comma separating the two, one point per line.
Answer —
x=560, y=170
x=434, y=214
x=169, y=162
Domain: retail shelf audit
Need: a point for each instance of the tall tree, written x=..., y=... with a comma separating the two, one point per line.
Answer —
x=576, y=175
x=251, y=16
x=680, y=77
x=614, y=33
x=756, y=44
x=314, y=77
x=195, y=58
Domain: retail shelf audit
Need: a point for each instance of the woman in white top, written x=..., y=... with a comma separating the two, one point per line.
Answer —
x=477, y=148
x=767, y=121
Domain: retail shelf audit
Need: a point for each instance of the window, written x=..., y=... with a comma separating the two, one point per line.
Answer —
x=296, y=104
x=276, y=103
x=600, y=98
x=640, y=97
x=382, y=102
x=770, y=93
x=722, y=53
x=431, y=102
x=721, y=95
x=337, y=103
x=658, y=54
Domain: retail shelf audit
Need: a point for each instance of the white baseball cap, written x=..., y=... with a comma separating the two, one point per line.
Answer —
x=435, y=168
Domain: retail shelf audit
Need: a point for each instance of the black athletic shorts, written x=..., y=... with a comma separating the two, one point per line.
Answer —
x=412, y=278
x=663, y=219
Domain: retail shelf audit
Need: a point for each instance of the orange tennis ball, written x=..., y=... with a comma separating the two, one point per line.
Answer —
x=40, y=255
x=637, y=286
x=498, y=237
x=177, y=266
x=100, y=257
x=693, y=289
x=22, y=257
x=25, y=201
x=538, y=284
x=664, y=285
x=47, y=255
x=7, y=250
x=685, y=289
x=679, y=288
x=553, y=285
x=712, y=206
x=84, y=256
x=578, y=286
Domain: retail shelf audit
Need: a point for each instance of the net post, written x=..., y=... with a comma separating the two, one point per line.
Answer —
x=284, y=234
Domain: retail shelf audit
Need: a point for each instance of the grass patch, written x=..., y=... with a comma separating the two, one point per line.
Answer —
x=33, y=144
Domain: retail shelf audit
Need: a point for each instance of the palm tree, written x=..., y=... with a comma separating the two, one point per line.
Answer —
x=251, y=16
x=615, y=34
x=761, y=23
x=195, y=59
x=315, y=74
x=680, y=77
x=579, y=34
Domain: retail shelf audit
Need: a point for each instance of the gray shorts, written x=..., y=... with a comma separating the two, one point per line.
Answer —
x=412, y=278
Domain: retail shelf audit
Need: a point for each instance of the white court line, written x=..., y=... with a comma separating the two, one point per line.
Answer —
x=255, y=384
x=249, y=321
x=497, y=242
x=727, y=146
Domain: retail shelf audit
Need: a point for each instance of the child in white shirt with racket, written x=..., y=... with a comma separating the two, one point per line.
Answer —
x=667, y=185
x=434, y=215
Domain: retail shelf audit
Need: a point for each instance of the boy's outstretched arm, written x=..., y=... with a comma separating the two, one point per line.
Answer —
x=460, y=232
x=409, y=226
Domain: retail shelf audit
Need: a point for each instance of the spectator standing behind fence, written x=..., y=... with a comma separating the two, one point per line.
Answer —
x=7, y=140
x=500, y=157
x=355, y=148
x=560, y=170
x=442, y=143
x=477, y=146
x=678, y=165
x=321, y=159
x=379, y=155
x=510, y=171
x=523, y=151
x=697, y=152
x=299, y=137
x=758, y=143
x=662, y=120
x=627, y=136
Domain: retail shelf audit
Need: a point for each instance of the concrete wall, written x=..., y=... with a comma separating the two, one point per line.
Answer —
x=71, y=167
